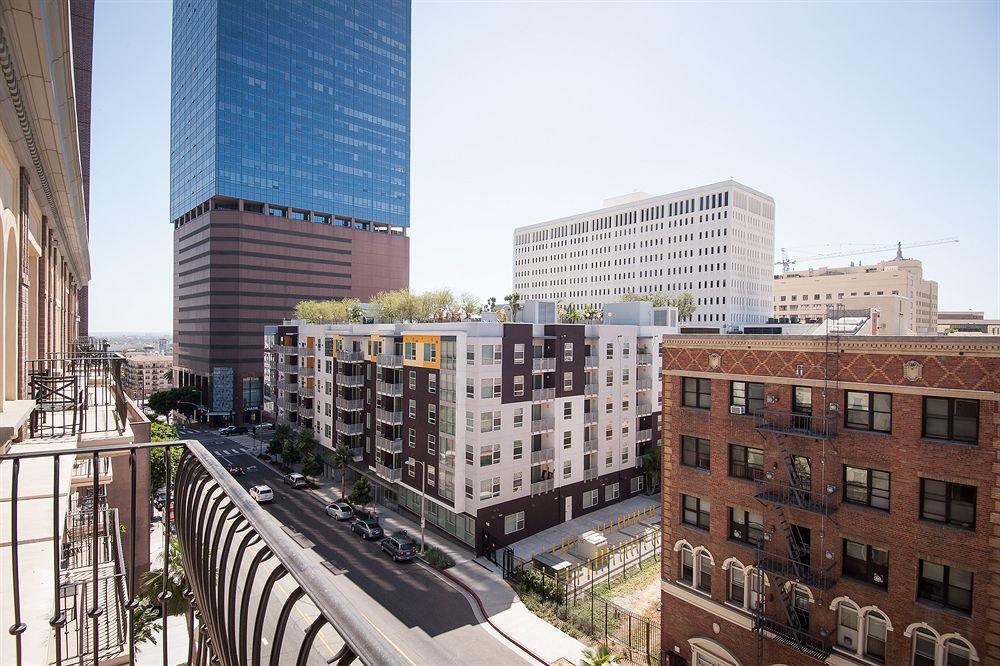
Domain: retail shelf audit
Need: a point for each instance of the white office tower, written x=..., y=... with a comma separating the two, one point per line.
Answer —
x=715, y=241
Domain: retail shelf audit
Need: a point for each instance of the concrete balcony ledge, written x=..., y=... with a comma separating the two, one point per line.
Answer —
x=13, y=417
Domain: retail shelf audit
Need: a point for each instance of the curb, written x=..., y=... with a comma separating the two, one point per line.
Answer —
x=482, y=609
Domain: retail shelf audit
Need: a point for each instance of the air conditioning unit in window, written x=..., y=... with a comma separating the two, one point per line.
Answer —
x=737, y=409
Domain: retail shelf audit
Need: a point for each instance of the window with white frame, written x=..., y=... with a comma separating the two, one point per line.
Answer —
x=492, y=354
x=470, y=354
x=609, y=405
x=412, y=409
x=468, y=488
x=513, y=522
x=410, y=351
x=590, y=498
x=412, y=437
x=518, y=481
x=489, y=454
x=518, y=417
x=518, y=385
x=470, y=421
x=432, y=383
x=431, y=475
x=567, y=439
x=431, y=444
x=568, y=352
x=625, y=453
x=635, y=485
x=411, y=468
x=518, y=353
x=609, y=378
x=518, y=449
x=625, y=349
x=489, y=421
x=609, y=458
x=625, y=376
x=609, y=432
x=611, y=492
x=567, y=469
x=489, y=488
x=470, y=454
x=490, y=387
x=432, y=414
x=412, y=380
x=567, y=381
x=470, y=387
x=567, y=410
x=609, y=351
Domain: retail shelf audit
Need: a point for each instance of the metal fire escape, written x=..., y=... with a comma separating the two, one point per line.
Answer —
x=801, y=484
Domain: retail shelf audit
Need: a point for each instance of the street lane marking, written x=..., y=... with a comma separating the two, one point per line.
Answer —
x=306, y=619
x=388, y=640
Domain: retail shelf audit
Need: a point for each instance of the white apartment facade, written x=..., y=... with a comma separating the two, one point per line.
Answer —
x=147, y=373
x=714, y=241
x=506, y=428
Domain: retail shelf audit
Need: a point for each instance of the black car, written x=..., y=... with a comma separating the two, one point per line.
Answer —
x=368, y=528
x=400, y=548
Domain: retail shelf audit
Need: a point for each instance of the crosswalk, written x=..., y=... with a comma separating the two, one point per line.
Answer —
x=186, y=431
x=229, y=452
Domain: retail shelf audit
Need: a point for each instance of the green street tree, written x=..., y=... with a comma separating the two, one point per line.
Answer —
x=340, y=458
x=361, y=492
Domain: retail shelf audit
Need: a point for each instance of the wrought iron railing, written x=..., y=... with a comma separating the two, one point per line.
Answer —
x=784, y=494
x=797, y=639
x=77, y=393
x=243, y=575
x=789, y=569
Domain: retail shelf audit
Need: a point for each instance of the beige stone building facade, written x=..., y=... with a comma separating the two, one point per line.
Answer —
x=147, y=373
x=897, y=288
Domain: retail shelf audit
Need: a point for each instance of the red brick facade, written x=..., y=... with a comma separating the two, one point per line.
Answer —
x=906, y=368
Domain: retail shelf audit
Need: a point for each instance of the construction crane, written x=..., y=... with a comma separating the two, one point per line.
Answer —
x=786, y=263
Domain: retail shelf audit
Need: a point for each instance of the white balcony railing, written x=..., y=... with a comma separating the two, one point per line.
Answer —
x=543, y=455
x=543, y=364
x=389, y=445
x=590, y=362
x=590, y=389
x=390, y=417
x=350, y=356
x=643, y=384
x=350, y=429
x=590, y=445
x=543, y=424
x=543, y=394
x=590, y=418
x=644, y=359
x=350, y=405
x=644, y=435
x=389, y=473
x=590, y=474
x=350, y=380
x=386, y=388
x=543, y=486
x=389, y=360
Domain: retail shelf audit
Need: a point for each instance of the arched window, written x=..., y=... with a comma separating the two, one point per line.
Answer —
x=957, y=652
x=687, y=565
x=705, y=566
x=848, y=622
x=737, y=588
x=876, y=630
x=924, y=647
x=801, y=598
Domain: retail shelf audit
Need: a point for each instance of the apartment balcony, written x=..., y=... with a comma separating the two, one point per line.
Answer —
x=391, y=417
x=307, y=370
x=83, y=471
x=393, y=474
x=357, y=453
x=590, y=390
x=389, y=445
x=287, y=404
x=72, y=579
x=350, y=429
x=306, y=391
x=306, y=409
x=590, y=362
x=797, y=639
x=799, y=425
x=783, y=494
x=542, y=425
x=288, y=350
x=543, y=364
x=346, y=405
x=386, y=388
x=644, y=385
x=643, y=359
x=389, y=360
x=790, y=569
x=540, y=394
x=350, y=356
x=543, y=455
x=644, y=435
x=590, y=418
x=590, y=474
x=543, y=486
x=590, y=445
x=643, y=409
x=350, y=380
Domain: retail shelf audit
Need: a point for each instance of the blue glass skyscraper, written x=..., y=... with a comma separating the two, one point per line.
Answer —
x=289, y=174
x=298, y=103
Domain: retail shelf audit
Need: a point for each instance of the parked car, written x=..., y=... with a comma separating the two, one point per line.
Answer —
x=238, y=430
x=228, y=430
x=262, y=494
x=266, y=426
x=340, y=511
x=236, y=470
x=400, y=548
x=368, y=528
x=295, y=480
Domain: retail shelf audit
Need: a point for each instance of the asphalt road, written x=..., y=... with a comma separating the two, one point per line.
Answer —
x=427, y=619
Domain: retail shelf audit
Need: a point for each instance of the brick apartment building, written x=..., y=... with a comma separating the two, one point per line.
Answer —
x=505, y=429
x=830, y=500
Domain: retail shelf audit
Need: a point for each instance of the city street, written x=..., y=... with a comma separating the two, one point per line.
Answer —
x=429, y=621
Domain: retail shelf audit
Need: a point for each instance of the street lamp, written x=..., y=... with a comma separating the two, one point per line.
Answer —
x=423, y=489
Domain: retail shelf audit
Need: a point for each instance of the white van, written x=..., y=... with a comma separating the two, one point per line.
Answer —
x=262, y=494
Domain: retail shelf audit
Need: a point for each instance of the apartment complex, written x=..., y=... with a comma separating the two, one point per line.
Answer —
x=147, y=373
x=830, y=500
x=715, y=241
x=289, y=174
x=61, y=554
x=897, y=288
x=505, y=429
x=967, y=322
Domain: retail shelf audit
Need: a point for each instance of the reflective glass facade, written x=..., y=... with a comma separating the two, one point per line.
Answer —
x=297, y=103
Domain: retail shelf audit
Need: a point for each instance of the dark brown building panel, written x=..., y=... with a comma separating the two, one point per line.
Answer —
x=516, y=334
x=237, y=271
x=561, y=335
x=424, y=402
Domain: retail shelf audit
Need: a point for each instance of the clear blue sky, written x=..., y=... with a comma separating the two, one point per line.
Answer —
x=867, y=123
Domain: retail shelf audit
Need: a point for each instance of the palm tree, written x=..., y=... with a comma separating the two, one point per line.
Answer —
x=514, y=300
x=602, y=656
x=340, y=457
x=491, y=304
x=176, y=583
x=571, y=315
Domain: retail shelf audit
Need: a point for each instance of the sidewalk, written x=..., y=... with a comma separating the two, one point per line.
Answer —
x=482, y=580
